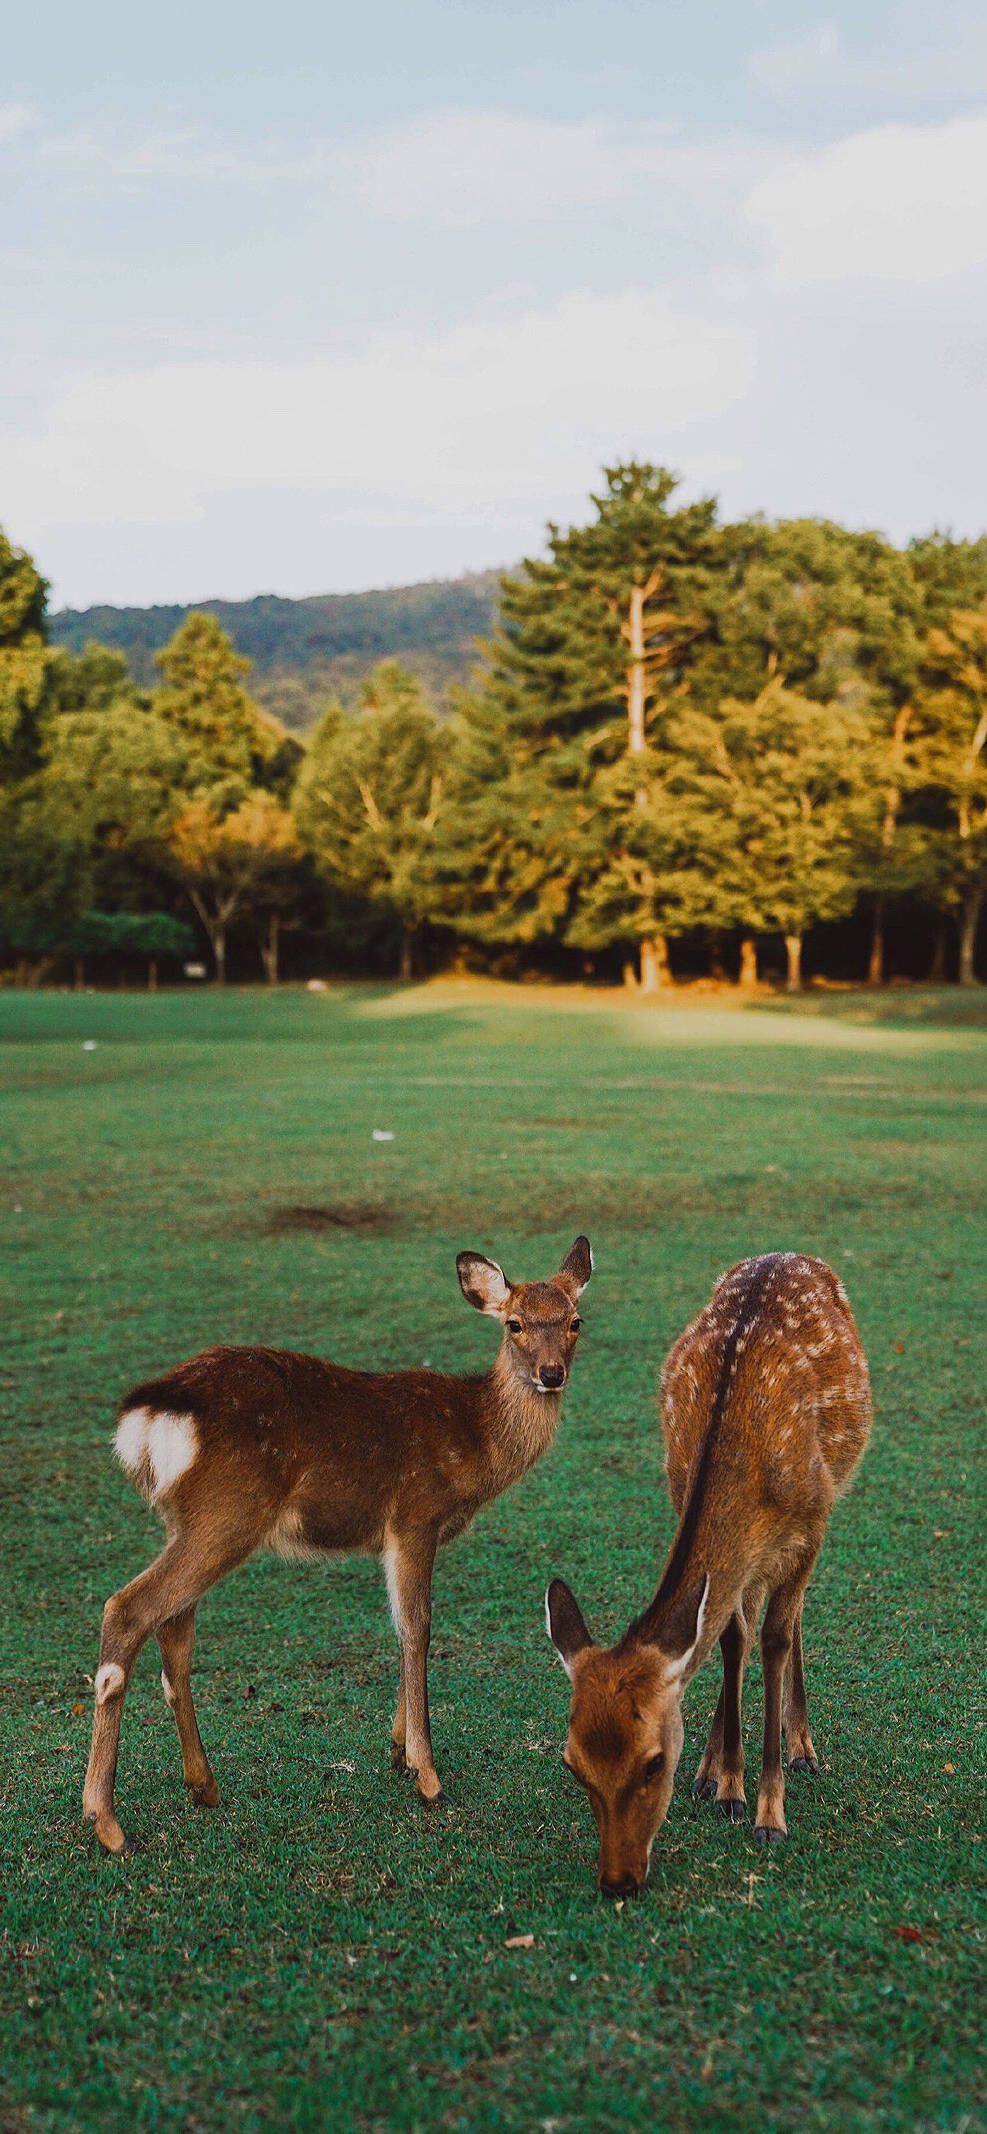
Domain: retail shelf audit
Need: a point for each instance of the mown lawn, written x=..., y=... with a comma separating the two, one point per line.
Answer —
x=319, y=1952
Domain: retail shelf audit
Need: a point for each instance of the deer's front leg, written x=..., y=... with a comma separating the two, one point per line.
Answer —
x=408, y=1560
x=400, y=1728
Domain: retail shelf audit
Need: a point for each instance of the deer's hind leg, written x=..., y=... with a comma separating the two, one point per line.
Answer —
x=795, y=1715
x=176, y=1639
x=777, y=1647
x=170, y=1587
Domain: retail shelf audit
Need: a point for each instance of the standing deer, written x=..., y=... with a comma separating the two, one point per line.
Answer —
x=765, y=1404
x=243, y=1448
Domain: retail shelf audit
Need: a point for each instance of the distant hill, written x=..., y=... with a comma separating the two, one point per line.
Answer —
x=305, y=651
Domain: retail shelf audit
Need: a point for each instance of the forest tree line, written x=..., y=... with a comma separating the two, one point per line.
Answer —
x=685, y=739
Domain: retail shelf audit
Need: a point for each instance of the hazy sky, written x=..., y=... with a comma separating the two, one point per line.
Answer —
x=304, y=298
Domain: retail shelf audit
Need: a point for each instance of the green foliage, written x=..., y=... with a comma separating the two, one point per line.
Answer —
x=139, y=933
x=317, y=1953
x=23, y=660
x=369, y=798
x=227, y=744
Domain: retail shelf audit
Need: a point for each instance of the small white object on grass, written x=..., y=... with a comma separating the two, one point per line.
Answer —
x=380, y=1133
x=89, y=1044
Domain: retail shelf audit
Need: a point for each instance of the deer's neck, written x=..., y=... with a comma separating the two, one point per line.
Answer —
x=519, y=1423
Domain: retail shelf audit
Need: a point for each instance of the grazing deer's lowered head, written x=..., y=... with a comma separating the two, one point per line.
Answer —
x=766, y=1412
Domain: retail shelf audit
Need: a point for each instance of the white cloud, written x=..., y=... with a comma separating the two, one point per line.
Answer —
x=796, y=62
x=16, y=120
x=456, y=169
x=477, y=417
x=896, y=203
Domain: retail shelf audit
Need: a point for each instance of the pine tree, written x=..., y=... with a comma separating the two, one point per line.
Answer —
x=593, y=646
x=24, y=659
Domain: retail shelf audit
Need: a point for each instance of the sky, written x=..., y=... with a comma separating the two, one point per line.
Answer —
x=316, y=297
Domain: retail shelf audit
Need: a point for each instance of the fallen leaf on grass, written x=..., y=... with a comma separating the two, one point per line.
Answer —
x=950, y=1768
x=77, y=1708
x=520, y=1941
x=907, y=1933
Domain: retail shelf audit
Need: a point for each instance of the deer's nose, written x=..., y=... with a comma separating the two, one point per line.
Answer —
x=552, y=1374
x=618, y=1885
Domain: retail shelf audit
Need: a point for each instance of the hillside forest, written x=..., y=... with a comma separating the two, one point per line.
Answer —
x=686, y=748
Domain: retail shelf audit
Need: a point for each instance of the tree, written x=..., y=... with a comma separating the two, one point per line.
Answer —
x=228, y=863
x=778, y=782
x=23, y=661
x=839, y=616
x=593, y=649
x=124, y=933
x=951, y=771
x=369, y=798
x=228, y=745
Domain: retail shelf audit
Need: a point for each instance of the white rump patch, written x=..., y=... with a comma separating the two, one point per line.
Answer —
x=109, y=1681
x=156, y=1448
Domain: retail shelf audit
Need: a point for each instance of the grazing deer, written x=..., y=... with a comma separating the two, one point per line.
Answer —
x=765, y=1404
x=243, y=1448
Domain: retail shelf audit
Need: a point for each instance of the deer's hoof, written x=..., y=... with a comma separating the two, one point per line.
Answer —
x=704, y=1789
x=765, y=1835
x=205, y=1794
x=734, y=1811
x=399, y=1760
x=112, y=1839
x=809, y=1765
x=432, y=1800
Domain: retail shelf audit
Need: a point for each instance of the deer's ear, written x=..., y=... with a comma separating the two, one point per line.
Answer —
x=681, y=1630
x=576, y=1268
x=483, y=1282
x=564, y=1623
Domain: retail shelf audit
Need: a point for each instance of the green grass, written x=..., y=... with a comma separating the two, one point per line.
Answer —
x=320, y=1953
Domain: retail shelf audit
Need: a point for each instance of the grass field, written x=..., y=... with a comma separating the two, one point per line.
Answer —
x=319, y=1952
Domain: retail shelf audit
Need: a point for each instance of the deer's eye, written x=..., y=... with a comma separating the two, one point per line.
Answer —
x=514, y=1326
x=652, y=1768
x=574, y=1326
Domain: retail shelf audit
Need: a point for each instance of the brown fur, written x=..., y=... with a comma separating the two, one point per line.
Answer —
x=241, y=1448
x=765, y=1406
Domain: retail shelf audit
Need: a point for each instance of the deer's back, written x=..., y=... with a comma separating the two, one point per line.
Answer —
x=795, y=1414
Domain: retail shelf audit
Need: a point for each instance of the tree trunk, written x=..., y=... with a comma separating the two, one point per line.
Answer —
x=748, y=962
x=269, y=949
x=969, y=921
x=406, y=965
x=937, y=968
x=793, y=950
x=875, y=967
x=217, y=935
x=635, y=673
x=630, y=976
x=79, y=974
x=655, y=972
x=152, y=974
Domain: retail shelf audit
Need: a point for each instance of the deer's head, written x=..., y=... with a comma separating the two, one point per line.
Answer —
x=625, y=1724
x=540, y=1320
